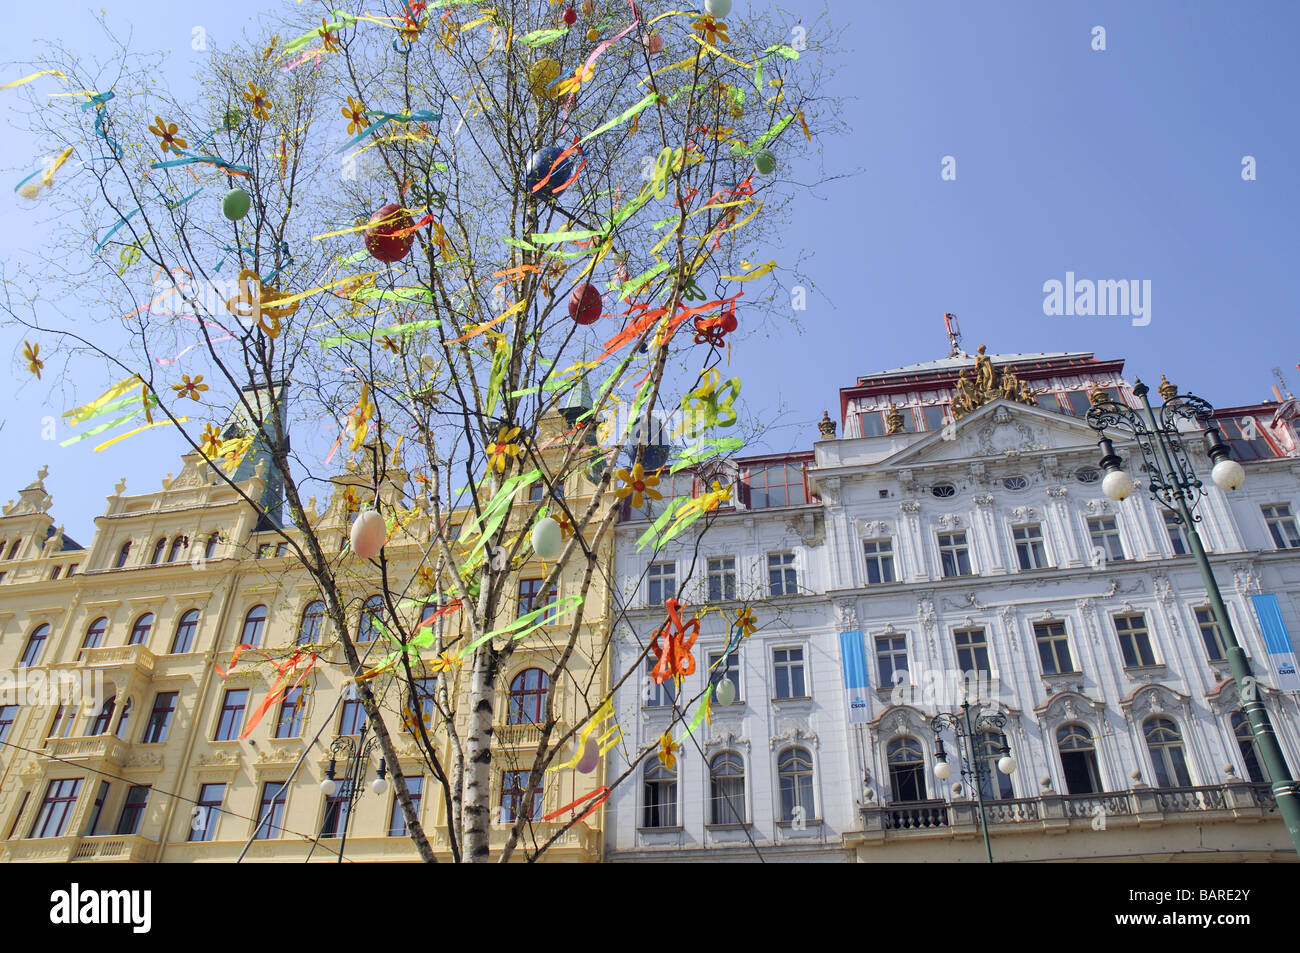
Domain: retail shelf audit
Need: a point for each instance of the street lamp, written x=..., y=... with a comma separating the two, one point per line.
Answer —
x=1174, y=484
x=357, y=753
x=966, y=727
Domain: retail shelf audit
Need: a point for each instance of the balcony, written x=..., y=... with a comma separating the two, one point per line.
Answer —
x=110, y=848
x=524, y=736
x=120, y=659
x=101, y=749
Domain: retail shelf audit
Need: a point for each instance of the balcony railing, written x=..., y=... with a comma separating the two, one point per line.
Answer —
x=918, y=815
x=120, y=656
x=523, y=736
x=119, y=848
x=103, y=747
x=1186, y=799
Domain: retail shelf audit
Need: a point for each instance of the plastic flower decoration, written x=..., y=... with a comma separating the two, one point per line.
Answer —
x=711, y=405
x=411, y=27
x=711, y=30
x=257, y=97
x=355, y=113
x=351, y=499
x=746, y=622
x=34, y=363
x=444, y=662
x=638, y=485
x=667, y=749
x=328, y=40
x=566, y=527
x=190, y=387
x=424, y=576
x=210, y=441
x=167, y=133
x=503, y=448
x=391, y=344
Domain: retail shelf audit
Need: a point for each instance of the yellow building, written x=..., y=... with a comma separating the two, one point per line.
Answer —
x=155, y=606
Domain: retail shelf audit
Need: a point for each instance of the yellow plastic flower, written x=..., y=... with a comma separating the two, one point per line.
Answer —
x=167, y=133
x=424, y=576
x=711, y=30
x=328, y=40
x=355, y=113
x=444, y=662
x=34, y=363
x=391, y=344
x=666, y=752
x=638, y=485
x=746, y=622
x=503, y=448
x=351, y=499
x=210, y=442
x=257, y=97
x=190, y=388
x=412, y=25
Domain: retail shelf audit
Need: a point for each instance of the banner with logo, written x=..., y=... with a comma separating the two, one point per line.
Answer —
x=853, y=655
x=1281, y=655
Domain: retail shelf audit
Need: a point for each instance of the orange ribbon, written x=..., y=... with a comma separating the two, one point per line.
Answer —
x=674, y=654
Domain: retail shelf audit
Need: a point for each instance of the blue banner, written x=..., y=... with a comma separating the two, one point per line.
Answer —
x=1281, y=655
x=856, y=685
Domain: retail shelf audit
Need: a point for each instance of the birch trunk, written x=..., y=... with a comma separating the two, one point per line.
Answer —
x=476, y=809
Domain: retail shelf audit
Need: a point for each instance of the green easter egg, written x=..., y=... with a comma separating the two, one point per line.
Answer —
x=235, y=205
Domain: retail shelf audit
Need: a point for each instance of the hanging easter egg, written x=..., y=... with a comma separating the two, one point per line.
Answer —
x=726, y=692
x=588, y=7
x=654, y=43
x=729, y=322
x=384, y=238
x=368, y=532
x=570, y=16
x=717, y=9
x=590, y=756
x=540, y=77
x=764, y=162
x=544, y=161
x=236, y=204
x=585, y=305
x=547, y=538
x=593, y=35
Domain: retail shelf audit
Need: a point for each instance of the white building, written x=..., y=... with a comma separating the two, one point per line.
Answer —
x=940, y=548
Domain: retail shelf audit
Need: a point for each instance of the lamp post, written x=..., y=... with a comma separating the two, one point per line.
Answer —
x=1174, y=484
x=357, y=752
x=966, y=727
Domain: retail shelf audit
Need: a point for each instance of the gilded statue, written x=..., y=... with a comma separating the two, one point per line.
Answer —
x=983, y=373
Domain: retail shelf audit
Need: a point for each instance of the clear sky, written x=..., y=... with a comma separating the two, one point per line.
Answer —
x=1123, y=163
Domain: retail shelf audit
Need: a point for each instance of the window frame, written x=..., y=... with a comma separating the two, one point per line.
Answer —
x=1053, y=640
x=783, y=576
x=152, y=726
x=670, y=804
x=789, y=666
x=1130, y=649
x=34, y=647
x=1031, y=550
x=141, y=630
x=893, y=653
x=958, y=554
x=98, y=635
x=517, y=696
x=272, y=820
x=61, y=805
x=259, y=624
x=229, y=725
x=881, y=559
x=211, y=813
x=1109, y=535
x=185, y=623
x=717, y=570
x=133, y=807
x=723, y=794
x=802, y=776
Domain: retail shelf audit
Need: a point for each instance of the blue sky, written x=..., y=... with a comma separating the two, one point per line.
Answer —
x=1117, y=164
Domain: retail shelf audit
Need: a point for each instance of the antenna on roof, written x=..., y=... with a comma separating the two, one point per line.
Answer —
x=1277, y=372
x=954, y=334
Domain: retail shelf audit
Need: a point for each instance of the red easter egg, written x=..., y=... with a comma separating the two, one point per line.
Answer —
x=729, y=322
x=654, y=43
x=381, y=241
x=585, y=304
x=570, y=16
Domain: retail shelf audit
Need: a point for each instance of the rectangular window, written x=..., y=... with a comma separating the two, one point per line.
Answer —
x=160, y=719
x=270, y=809
x=781, y=484
x=8, y=714
x=396, y=819
x=1053, y=648
x=335, y=819
x=292, y=709
x=514, y=785
x=231, y=720
x=718, y=670
x=1246, y=438
x=891, y=659
x=1281, y=525
x=133, y=809
x=1215, y=649
x=661, y=579
x=1075, y=402
x=420, y=708
x=880, y=560
x=954, y=554
x=352, y=718
x=658, y=696
x=22, y=806
x=782, y=577
x=935, y=416
x=659, y=794
x=1105, y=538
x=1029, y=546
x=788, y=668
x=92, y=822
x=203, y=820
x=54, y=573
x=1134, y=640
x=56, y=809
x=972, y=651
x=722, y=578
x=872, y=423
x=1177, y=534
x=530, y=598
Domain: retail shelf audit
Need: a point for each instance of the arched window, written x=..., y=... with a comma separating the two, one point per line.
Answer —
x=99, y=725
x=313, y=623
x=95, y=633
x=794, y=771
x=210, y=549
x=13, y=550
x=122, y=721
x=183, y=640
x=254, y=623
x=123, y=554
x=906, y=770
x=179, y=545
x=1167, y=756
x=727, y=789
x=140, y=631
x=158, y=549
x=994, y=785
x=1078, y=760
x=659, y=795
x=528, y=697
x=35, y=643
x=371, y=612
x=1246, y=743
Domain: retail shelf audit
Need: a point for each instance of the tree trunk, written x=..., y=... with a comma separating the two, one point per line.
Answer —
x=476, y=809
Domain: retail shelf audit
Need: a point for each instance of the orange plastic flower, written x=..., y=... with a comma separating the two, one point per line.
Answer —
x=711, y=30
x=257, y=97
x=746, y=622
x=351, y=499
x=391, y=344
x=34, y=363
x=355, y=113
x=210, y=442
x=445, y=661
x=503, y=448
x=190, y=388
x=167, y=133
x=328, y=40
x=638, y=485
x=424, y=575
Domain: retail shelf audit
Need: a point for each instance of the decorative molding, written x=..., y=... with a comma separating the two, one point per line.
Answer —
x=910, y=506
x=725, y=742
x=949, y=518
x=1024, y=512
x=970, y=601
x=1097, y=506
x=983, y=499
x=1058, y=492
x=792, y=731
x=847, y=611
